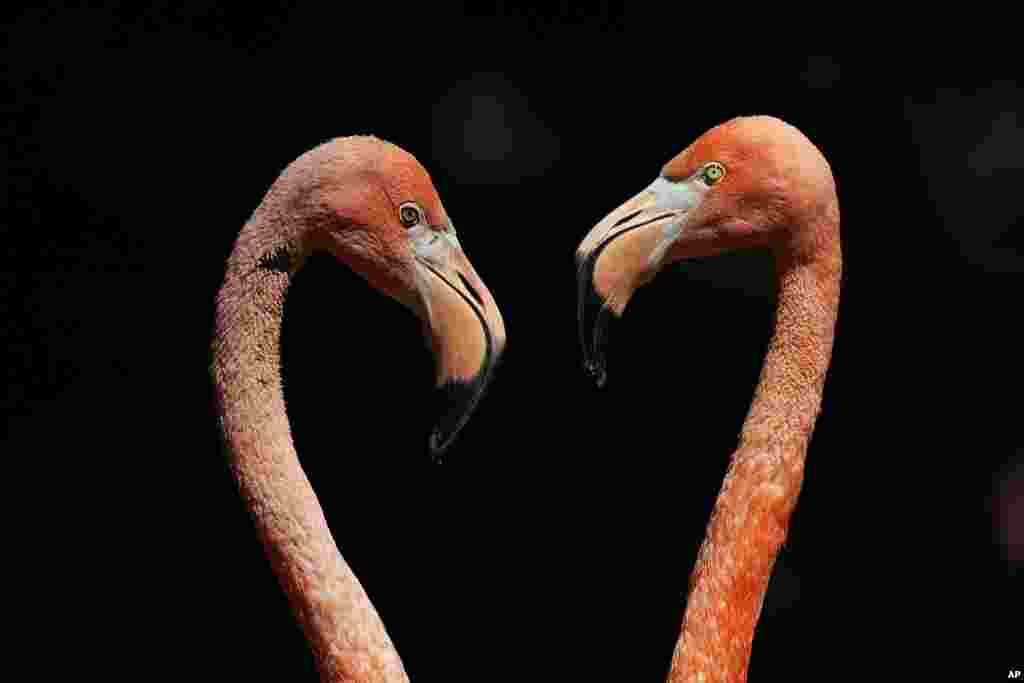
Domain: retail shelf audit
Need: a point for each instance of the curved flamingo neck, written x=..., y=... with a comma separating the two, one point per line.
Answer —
x=345, y=632
x=751, y=516
x=788, y=395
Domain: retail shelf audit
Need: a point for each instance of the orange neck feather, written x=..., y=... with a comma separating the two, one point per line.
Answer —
x=751, y=516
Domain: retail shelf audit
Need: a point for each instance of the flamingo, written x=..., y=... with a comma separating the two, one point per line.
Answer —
x=749, y=182
x=372, y=206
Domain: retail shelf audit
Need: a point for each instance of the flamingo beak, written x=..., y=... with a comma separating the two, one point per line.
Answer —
x=621, y=253
x=464, y=329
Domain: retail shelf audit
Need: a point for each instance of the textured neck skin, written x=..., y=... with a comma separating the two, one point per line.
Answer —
x=751, y=516
x=344, y=631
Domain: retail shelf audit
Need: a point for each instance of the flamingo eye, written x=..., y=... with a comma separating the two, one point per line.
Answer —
x=410, y=214
x=713, y=172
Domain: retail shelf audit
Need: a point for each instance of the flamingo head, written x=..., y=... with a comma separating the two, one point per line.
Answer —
x=377, y=211
x=750, y=182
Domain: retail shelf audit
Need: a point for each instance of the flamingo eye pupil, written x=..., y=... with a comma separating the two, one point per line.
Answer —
x=713, y=172
x=409, y=215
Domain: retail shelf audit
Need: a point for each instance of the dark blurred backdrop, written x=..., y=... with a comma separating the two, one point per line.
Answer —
x=557, y=540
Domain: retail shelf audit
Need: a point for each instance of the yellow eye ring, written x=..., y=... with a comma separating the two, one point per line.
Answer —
x=713, y=172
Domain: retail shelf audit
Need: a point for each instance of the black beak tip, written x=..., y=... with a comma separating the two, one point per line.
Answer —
x=593, y=316
x=437, y=444
x=597, y=372
x=458, y=400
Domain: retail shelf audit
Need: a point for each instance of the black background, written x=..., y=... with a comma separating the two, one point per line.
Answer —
x=557, y=540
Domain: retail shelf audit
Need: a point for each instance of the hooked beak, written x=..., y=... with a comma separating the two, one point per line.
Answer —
x=621, y=253
x=465, y=331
